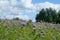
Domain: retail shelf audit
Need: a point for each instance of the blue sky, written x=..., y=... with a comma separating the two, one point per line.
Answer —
x=25, y=9
x=52, y=1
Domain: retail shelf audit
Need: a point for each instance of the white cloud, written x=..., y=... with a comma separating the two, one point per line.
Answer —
x=47, y=5
x=24, y=17
x=27, y=3
x=10, y=8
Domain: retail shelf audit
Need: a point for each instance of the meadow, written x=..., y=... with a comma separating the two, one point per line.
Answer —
x=29, y=32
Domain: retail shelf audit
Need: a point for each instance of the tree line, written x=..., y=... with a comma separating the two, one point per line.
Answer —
x=48, y=15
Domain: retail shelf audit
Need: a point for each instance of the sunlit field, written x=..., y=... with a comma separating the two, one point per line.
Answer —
x=29, y=32
x=29, y=19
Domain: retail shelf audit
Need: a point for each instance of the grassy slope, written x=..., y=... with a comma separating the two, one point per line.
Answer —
x=28, y=33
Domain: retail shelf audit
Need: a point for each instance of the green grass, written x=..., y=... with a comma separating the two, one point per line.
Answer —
x=28, y=33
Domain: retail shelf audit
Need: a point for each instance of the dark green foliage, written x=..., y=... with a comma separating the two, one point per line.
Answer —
x=58, y=17
x=48, y=15
x=16, y=18
x=40, y=17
